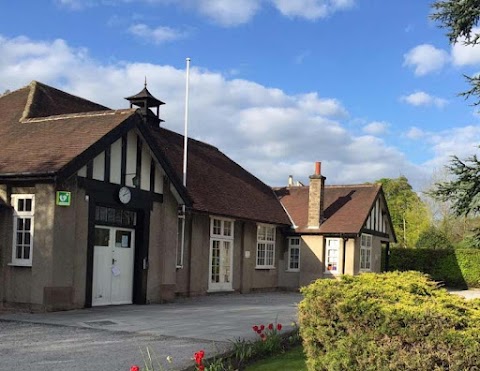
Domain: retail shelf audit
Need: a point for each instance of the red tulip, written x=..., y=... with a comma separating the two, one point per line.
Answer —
x=255, y=328
x=134, y=368
x=279, y=327
x=270, y=326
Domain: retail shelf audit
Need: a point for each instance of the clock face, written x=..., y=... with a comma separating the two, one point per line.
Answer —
x=124, y=195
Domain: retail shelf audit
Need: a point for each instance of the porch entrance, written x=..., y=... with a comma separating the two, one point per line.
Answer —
x=113, y=259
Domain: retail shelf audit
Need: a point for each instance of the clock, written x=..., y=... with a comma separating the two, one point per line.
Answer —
x=124, y=195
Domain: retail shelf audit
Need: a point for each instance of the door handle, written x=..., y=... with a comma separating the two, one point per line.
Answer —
x=114, y=261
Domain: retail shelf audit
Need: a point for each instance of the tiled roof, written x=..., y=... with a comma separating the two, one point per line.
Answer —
x=346, y=207
x=218, y=185
x=43, y=129
x=40, y=136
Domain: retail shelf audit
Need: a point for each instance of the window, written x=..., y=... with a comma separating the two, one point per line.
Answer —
x=180, y=240
x=294, y=254
x=23, y=226
x=265, y=246
x=331, y=255
x=221, y=228
x=117, y=217
x=366, y=253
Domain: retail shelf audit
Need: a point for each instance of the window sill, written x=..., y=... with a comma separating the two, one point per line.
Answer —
x=264, y=268
x=26, y=265
x=292, y=270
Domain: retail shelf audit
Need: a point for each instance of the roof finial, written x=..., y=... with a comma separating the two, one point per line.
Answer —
x=145, y=81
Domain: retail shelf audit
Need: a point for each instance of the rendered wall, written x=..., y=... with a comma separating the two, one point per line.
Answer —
x=311, y=259
x=24, y=286
x=162, y=250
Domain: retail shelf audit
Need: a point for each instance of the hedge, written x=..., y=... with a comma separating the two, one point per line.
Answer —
x=455, y=268
x=389, y=321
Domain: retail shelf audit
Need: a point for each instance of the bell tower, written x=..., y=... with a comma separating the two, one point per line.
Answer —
x=145, y=100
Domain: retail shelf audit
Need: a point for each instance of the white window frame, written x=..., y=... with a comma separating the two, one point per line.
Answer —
x=223, y=223
x=332, y=271
x=269, y=246
x=366, y=243
x=180, y=240
x=221, y=238
x=21, y=215
x=291, y=247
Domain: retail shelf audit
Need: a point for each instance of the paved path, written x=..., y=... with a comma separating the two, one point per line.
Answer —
x=112, y=338
x=467, y=294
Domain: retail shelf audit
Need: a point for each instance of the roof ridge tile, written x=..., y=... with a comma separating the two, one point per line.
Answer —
x=79, y=115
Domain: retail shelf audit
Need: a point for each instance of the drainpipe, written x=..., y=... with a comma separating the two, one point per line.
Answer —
x=242, y=254
x=344, y=253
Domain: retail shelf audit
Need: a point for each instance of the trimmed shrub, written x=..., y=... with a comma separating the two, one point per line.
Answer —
x=389, y=321
x=455, y=268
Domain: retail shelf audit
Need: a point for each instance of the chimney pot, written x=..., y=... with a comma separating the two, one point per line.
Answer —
x=318, y=168
x=290, y=180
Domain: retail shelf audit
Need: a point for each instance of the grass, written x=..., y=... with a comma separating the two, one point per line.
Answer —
x=290, y=360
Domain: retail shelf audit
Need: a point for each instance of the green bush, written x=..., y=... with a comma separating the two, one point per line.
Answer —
x=455, y=268
x=389, y=321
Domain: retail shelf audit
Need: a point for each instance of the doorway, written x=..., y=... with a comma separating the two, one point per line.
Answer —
x=113, y=266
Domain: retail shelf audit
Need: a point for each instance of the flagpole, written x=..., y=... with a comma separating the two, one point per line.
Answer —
x=185, y=139
x=185, y=155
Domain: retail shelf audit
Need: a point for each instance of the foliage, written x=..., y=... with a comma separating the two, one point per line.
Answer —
x=410, y=216
x=455, y=268
x=271, y=342
x=464, y=190
x=432, y=238
x=293, y=359
x=460, y=18
x=390, y=321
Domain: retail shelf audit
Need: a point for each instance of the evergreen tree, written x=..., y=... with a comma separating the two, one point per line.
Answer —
x=460, y=17
x=464, y=191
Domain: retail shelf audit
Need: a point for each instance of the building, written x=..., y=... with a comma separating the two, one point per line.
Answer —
x=93, y=211
x=336, y=229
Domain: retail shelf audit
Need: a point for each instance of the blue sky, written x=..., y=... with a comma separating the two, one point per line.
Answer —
x=368, y=87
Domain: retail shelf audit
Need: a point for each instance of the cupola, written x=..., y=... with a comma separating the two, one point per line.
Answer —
x=145, y=100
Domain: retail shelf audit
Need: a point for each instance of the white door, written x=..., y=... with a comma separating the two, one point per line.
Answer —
x=221, y=258
x=113, y=258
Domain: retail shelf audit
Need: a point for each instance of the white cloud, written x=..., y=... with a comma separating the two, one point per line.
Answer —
x=229, y=13
x=325, y=107
x=415, y=133
x=425, y=59
x=158, y=35
x=76, y=4
x=300, y=58
x=311, y=9
x=420, y=98
x=261, y=128
x=463, y=55
x=460, y=141
x=376, y=128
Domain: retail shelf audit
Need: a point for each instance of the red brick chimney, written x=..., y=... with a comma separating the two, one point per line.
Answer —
x=316, y=195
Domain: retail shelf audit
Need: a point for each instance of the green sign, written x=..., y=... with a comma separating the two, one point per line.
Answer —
x=64, y=198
